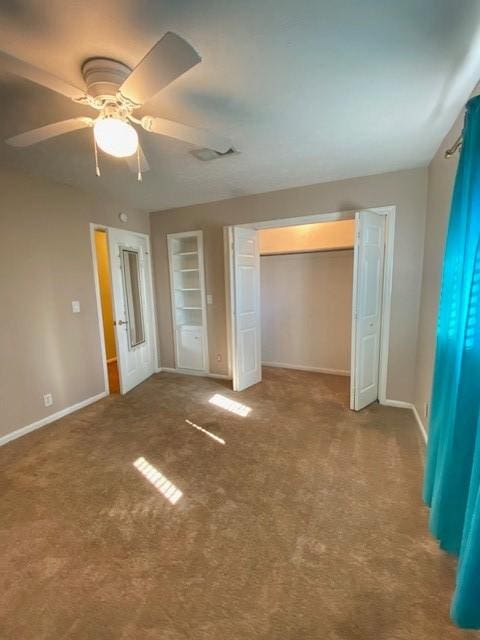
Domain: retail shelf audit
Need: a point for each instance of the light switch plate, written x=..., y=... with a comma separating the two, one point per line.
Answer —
x=209, y=298
x=76, y=306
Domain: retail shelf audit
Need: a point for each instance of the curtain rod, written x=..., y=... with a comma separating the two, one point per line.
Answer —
x=455, y=147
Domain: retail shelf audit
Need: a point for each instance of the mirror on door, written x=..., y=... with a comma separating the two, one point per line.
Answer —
x=133, y=300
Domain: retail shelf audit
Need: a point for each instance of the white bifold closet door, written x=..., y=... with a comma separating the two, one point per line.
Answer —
x=245, y=311
x=133, y=308
x=369, y=255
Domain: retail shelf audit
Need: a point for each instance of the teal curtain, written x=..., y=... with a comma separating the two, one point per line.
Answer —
x=452, y=477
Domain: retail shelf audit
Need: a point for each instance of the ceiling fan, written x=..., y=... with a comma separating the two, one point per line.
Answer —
x=116, y=92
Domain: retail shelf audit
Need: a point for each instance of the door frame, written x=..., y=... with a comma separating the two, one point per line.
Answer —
x=101, y=227
x=389, y=211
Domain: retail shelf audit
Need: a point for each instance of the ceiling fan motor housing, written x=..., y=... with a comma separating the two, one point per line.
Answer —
x=104, y=77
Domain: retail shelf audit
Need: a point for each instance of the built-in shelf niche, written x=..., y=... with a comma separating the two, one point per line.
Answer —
x=187, y=281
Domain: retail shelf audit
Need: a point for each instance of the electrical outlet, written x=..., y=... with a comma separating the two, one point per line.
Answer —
x=75, y=306
x=48, y=399
x=209, y=298
x=219, y=357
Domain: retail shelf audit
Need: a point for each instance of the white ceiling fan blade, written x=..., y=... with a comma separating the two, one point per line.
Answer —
x=133, y=162
x=30, y=72
x=197, y=137
x=166, y=61
x=49, y=131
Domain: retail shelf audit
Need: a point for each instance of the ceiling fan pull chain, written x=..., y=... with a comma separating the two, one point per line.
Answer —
x=97, y=168
x=139, y=174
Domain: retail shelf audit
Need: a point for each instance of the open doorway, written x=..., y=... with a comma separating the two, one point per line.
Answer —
x=306, y=275
x=106, y=302
x=371, y=278
x=123, y=285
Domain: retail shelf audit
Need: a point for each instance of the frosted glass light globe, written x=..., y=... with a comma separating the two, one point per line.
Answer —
x=116, y=137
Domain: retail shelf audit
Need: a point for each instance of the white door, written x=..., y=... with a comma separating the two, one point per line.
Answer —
x=245, y=307
x=369, y=255
x=133, y=308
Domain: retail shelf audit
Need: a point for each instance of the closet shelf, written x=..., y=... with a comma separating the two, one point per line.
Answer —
x=188, y=300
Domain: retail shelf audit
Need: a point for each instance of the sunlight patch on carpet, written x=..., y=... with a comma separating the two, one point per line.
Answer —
x=159, y=481
x=230, y=405
x=206, y=432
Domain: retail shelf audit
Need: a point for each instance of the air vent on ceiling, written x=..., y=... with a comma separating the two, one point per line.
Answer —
x=209, y=154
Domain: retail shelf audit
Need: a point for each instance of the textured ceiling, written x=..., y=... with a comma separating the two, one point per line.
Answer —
x=309, y=91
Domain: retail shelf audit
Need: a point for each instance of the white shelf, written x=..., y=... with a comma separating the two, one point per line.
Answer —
x=189, y=310
x=190, y=325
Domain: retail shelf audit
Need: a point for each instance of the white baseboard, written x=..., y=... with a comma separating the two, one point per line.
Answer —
x=301, y=367
x=421, y=426
x=191, y=372
x=51, y=418
x=400, y=404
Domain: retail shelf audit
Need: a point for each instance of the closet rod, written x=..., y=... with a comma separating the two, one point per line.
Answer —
x=291, y=253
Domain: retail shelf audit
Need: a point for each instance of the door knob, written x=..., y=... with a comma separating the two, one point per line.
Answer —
x=123, y=322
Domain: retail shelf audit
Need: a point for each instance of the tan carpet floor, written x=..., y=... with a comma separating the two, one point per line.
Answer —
x=306, y=523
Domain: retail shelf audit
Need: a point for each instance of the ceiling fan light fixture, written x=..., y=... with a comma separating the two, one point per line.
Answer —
x=115, y=137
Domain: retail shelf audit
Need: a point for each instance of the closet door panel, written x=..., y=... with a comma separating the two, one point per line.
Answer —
x=190, y=348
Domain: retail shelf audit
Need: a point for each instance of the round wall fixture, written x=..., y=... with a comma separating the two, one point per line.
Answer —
x=123, y=217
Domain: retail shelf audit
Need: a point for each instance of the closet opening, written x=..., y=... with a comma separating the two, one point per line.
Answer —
x=314, y=294
x=306, y=282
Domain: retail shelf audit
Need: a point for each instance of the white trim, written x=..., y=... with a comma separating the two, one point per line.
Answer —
x=399, y=404
x=51, y=418
x=301, y=367
x=390, y=213
x=308, y=219
x=421, y=426
x=353, y=333
x=193, y=372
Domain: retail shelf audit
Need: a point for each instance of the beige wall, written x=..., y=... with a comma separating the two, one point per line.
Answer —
x=307, y=237
x=406, y=189
x=441, y=176
x=103, y=269
x=45, y=263
x=306, y=303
